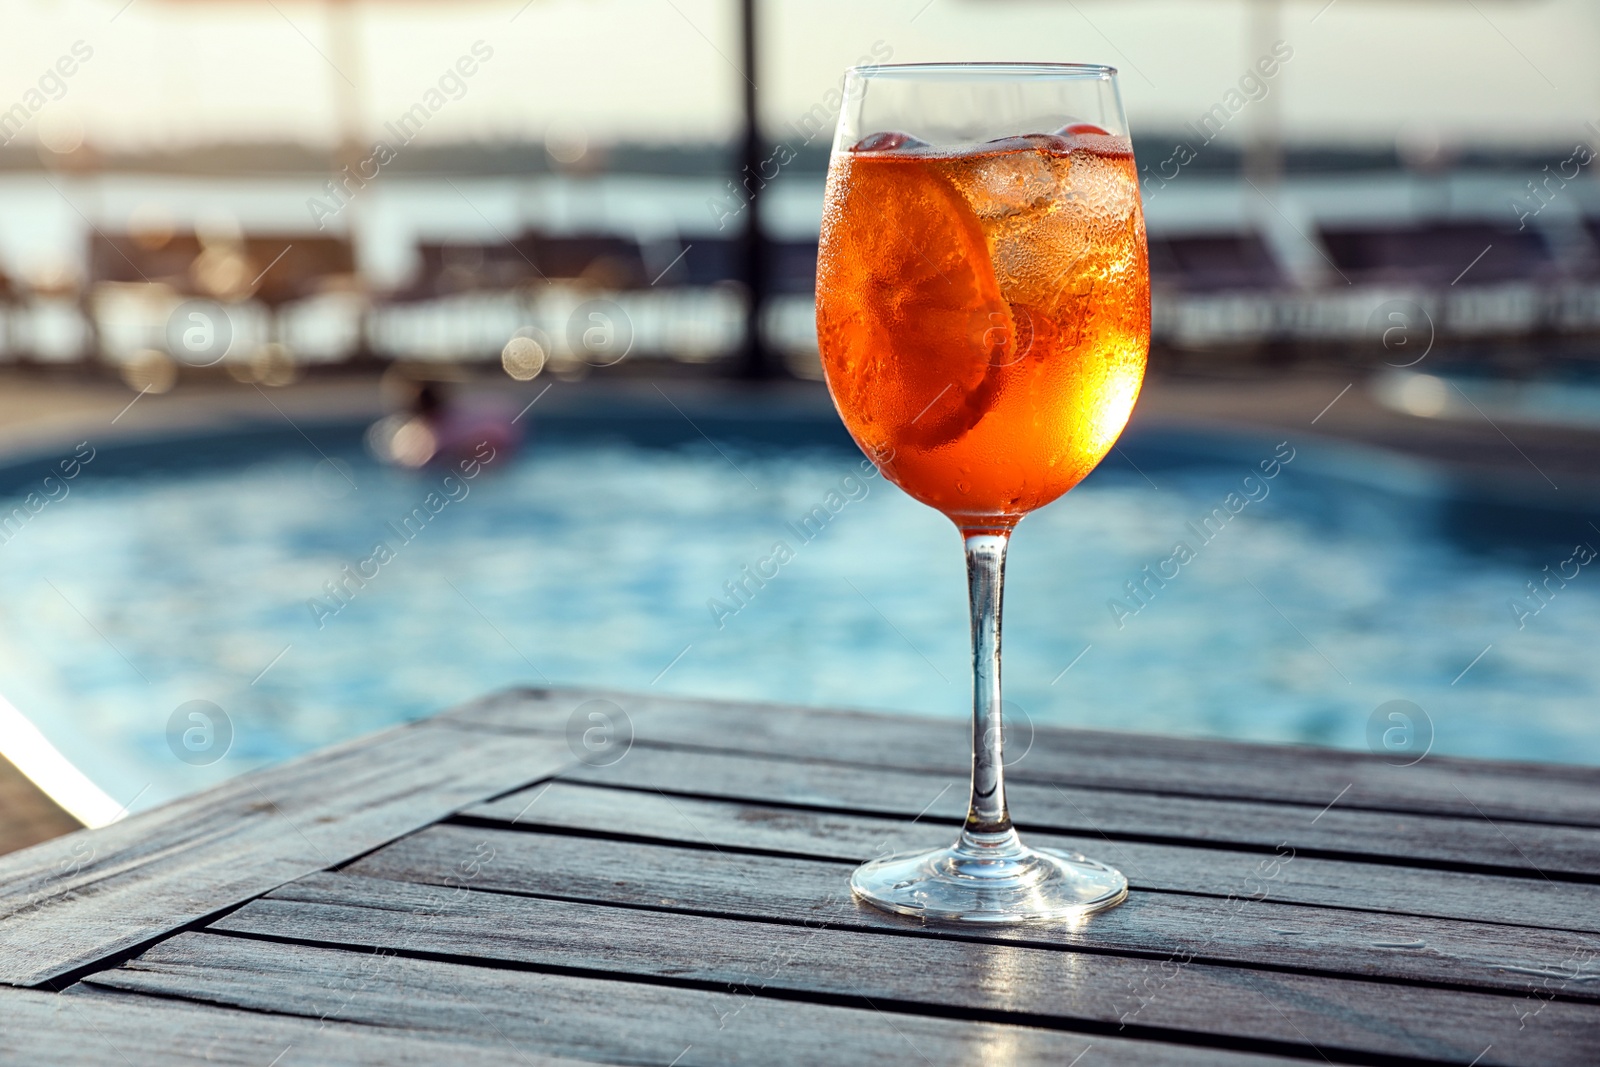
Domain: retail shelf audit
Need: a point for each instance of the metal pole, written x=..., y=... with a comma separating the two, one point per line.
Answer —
x=754, y=359
x=1263, y=154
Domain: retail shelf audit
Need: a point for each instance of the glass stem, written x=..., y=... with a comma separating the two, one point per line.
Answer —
x=988, y=828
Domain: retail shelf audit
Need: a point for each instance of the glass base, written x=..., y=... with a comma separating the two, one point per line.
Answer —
x=990, y=878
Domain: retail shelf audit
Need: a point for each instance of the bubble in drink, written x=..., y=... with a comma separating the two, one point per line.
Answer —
x=984, y=316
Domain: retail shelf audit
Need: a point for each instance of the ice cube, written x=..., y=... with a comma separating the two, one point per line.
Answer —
x=1042, y=142
x=1104, y=187
x=888, y=141
x=1034, y=262
x=1011, y=182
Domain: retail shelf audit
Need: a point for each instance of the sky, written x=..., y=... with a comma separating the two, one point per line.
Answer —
x=164, y=74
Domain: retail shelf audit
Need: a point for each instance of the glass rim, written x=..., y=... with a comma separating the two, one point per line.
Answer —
x=985, y=68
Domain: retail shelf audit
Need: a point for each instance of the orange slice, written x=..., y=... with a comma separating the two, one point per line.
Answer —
x=915, y=323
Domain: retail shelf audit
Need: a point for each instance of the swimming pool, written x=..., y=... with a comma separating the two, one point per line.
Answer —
x=200, y=569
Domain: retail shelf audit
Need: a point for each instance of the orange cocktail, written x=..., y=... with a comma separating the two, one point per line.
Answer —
x=984, y=313
x=983, y=310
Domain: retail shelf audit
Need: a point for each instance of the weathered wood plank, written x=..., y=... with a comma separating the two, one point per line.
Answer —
x=1162, y=928
x=1044, y=986
x=824, y=835
x=660, y=920
x=1550, y=793
x=1533, y=849
x=127, y=1030
x=75, y=900
x=595, y=1018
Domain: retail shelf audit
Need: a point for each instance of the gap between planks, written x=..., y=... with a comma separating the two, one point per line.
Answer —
x=1553, y=794
x=1313, y=939
x=724, y=826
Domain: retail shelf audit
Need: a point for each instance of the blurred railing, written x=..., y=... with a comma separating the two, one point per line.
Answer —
x=1398, y=285
x=291, y=302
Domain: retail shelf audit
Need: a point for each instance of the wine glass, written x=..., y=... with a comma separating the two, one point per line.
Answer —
x=983, y=314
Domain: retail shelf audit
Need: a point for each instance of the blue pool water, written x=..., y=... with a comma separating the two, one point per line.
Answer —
x=180, y=571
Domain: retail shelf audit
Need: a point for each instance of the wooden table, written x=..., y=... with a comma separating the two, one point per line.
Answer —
x=514, y=882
